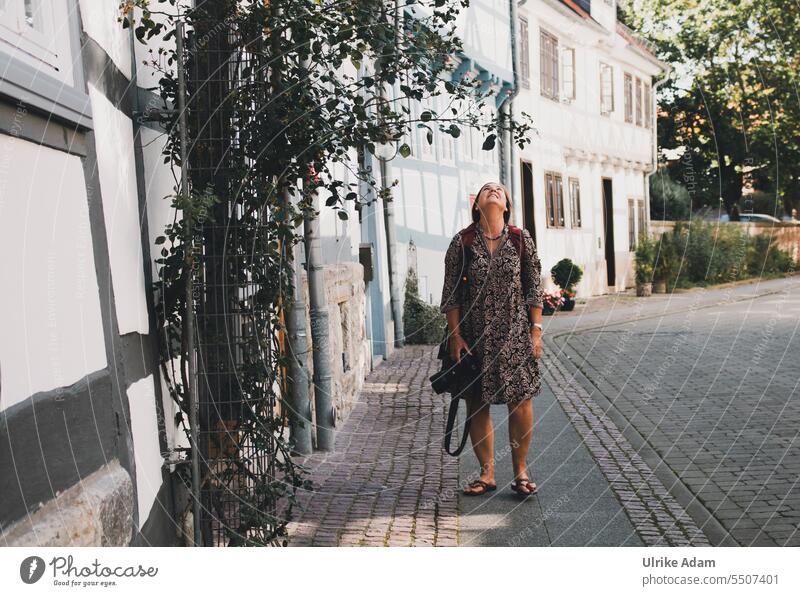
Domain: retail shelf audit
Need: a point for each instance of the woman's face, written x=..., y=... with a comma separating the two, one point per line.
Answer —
x=492, y=196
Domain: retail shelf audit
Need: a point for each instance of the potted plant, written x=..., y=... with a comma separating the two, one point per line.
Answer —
x=643, y=263
x=566, y=275
x=664, y=268
x=550, y=302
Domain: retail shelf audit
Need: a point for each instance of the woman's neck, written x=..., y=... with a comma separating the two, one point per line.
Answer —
x=492, y=226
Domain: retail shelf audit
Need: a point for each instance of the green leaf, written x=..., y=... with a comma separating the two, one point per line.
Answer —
x=342, y=215
x=405, y=150
x=425, y=116
x=429, y=136
x=455, y=131
x=488, y=143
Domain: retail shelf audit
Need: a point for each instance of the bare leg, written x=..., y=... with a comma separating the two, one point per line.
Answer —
x=520, y=433
x=481, y=435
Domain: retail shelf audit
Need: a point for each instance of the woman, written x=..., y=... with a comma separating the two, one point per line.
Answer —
x=491, y=320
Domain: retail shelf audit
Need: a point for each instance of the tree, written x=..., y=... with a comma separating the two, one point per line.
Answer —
x=732, y=104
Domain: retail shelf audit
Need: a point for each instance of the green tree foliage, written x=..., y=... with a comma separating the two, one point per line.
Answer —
x=422, y=322
x=732, y=102
x=669, y=200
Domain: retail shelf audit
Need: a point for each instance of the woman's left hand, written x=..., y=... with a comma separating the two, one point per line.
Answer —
x=536, y=342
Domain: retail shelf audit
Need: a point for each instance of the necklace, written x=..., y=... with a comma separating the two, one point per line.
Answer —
x=492, y=237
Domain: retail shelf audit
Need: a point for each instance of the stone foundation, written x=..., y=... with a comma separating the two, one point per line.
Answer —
x=98, y=511
x=349, y=346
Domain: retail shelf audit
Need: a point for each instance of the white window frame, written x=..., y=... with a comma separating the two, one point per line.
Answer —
x=575, y=202
x=568, y=78
x=638, y=93
x=45, y=49
x=606, y=107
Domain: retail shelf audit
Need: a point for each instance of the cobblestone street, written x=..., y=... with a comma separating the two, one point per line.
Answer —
x=388, y=482
x=670, y=420
x=707, y=382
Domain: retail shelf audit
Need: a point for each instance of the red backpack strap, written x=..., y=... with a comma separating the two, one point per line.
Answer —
x=468, y=234
x=515, y=234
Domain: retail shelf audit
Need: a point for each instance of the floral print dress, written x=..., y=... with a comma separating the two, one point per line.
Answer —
x=495, y=321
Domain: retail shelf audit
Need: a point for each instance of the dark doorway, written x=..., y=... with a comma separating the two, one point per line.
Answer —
x=527, y=198
x=608, y=230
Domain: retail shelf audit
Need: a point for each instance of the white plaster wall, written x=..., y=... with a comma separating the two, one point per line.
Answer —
x=144, y=429
x=52, y=333
x=160, y=188
x=116, y=168
x=100, y=23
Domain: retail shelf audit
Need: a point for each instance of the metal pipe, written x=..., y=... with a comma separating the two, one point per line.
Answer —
x=320, y=332
x=194, y=417
x=509, y=102
x=388, y=215
x=653, y=127
x=299, y=401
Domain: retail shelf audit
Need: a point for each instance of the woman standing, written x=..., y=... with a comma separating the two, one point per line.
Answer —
x=498, y=319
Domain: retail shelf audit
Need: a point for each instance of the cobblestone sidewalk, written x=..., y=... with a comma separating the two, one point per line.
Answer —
x=388, y=482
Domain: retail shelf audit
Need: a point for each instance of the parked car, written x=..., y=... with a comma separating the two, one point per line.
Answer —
x=752, y=217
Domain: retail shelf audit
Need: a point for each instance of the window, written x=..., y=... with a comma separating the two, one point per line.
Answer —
x=554, y=199
x=628, y=98
x=575, y=202
x=606, y=89
x=40, y=58
x=648, y=106
x=524, y=58
x=642, y=218
x=638, y=101
x=631, y=224
x=445, y=140
x=26, y=28
x=568, y=73
x=426, y=149
x=548, y=62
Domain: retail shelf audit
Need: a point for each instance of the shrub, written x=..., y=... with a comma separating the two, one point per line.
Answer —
x=704, y=252
x=644, y=259
x=422, y=323
x=566, y=274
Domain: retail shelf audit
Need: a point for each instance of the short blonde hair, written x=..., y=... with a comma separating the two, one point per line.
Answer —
x=476, y=214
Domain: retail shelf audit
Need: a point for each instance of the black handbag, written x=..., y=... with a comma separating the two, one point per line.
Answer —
x=459, y=379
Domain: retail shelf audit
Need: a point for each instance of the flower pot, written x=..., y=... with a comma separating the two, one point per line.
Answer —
x=659, y=287
x=546, y=310
x=644, y=289
x=569, y=303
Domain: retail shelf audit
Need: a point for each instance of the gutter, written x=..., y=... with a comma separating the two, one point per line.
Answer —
x=653, y=123
x=508, y=173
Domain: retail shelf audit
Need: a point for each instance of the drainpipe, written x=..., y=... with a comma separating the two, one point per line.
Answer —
x=299, y=402
x=320, y=332
x=654, y=154
x=510, y=170
x=388, y=214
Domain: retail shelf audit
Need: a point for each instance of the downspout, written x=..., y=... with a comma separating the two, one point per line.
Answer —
x=654, y=153
x=300, y=421
x=388, y=214
x=299, y=402
x=509, y=175
x=320, y=331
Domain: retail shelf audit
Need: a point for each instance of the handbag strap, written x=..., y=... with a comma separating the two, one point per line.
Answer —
x=452, y=412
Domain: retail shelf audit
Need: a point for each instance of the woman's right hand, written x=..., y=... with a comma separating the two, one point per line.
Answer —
x=457, y=346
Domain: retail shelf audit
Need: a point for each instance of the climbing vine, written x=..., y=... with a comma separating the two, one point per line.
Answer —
x=281, y=95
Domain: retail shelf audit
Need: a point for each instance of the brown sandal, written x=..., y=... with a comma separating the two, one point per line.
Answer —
x=476, y=483
x=531, y=487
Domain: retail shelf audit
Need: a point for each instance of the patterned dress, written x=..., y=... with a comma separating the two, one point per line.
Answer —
x=495, y=320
